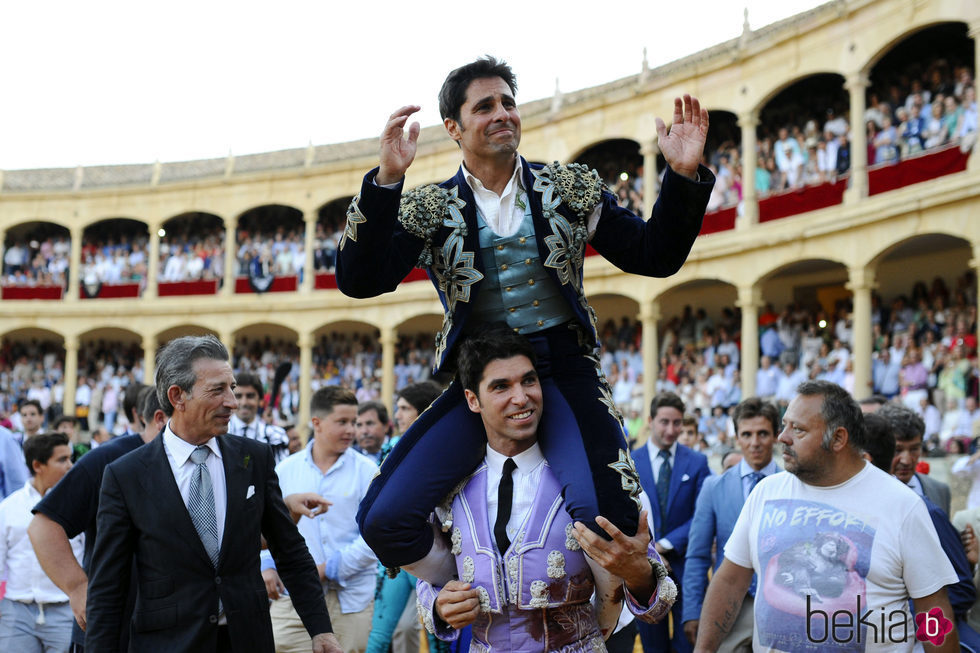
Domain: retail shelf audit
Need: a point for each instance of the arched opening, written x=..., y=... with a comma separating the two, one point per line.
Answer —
x=115, y=253
x=270, y=253
x=36, y=261
x=924, y=317
x=348, y=353
x=920, y=94
x=109, y=360
x=808, y=310
x=722, y=155
x=192, y=254
x=620, y=165
x=32, y=364
x=270, y=352
x=796, y=128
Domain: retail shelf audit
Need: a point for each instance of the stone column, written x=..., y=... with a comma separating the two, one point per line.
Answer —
x=649, y=317
x=75, y=266
x=974, y=264
x=749, y=300
x=153, y=264
x=71, y=374
x=309, y=274
x=973, y=31
x=231, y=252
x=305, y=384
x=856, y=85
x=149, y=357
x=861, y=281
x=750, y=200
x=650, y=175
x=389, y=341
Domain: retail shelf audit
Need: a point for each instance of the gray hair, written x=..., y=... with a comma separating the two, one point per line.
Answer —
x=175, y=364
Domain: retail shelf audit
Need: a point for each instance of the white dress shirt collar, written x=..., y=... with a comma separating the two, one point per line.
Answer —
x=499, y=211
x=181, y=449
x=525, y=461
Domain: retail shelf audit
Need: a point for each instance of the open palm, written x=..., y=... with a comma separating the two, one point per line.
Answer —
x=683, y=145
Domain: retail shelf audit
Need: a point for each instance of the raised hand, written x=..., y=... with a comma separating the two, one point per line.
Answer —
x=398, y=152
x=683, y=146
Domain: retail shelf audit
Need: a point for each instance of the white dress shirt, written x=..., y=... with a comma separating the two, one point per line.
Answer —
x=26, y=580
x=334, y=532
x=526, y=476
x=179, y=456
x=656, y=462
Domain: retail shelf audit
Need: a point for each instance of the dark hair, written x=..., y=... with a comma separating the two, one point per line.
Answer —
x=906, y=425
x=880, y=443
x=420, y=395
x=756, y=407
x=874, y=400
x=64, y=419
x=690, y=420
x=149, y=404
x=326, y=398
x=377, y=407
x=175, y=364
x=666, y=400
x=41, y=447
x=246, y=379
x=131, y=399
x=452, y=95
x=492, y=342
x=31, y=402
x=839, y=410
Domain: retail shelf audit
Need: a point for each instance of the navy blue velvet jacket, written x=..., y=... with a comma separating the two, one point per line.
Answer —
x=382, y=243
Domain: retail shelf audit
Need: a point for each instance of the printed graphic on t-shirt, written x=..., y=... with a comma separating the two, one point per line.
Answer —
x=814, y=560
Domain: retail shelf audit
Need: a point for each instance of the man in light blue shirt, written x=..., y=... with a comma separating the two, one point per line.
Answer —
x=329, y=467
x=13, y=469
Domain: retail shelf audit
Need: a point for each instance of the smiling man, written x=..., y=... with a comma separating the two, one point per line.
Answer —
x=505, y=239
x=718, y=506
x=838, y=546
x=507, y=516
x=246, y=421
x=188, y=509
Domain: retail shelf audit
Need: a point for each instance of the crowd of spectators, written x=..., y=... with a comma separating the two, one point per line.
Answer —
x=279, y=253
x=917, y=112
x=114, y=260
x=192, y=255
x=327, y=240
x=37, y=262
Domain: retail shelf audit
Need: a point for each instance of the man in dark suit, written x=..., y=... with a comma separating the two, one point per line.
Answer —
x=718, y=506
x=908, y=449
x=189, y=508
x=671, y=474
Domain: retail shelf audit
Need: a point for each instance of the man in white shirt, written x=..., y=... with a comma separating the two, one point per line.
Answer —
x=31, y=418
x=329, y=467
x=35, y=614
x=246, y=421
x=839, y=547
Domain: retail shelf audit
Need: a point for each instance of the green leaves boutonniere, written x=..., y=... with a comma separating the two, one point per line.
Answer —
x=247, y=460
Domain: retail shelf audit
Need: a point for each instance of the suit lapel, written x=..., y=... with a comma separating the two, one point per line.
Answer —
x=677, y=475
x=237, y=477
x=645, y=471
x=159, y=482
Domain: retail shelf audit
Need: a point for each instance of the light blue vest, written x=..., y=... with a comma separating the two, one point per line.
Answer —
x=516, y=288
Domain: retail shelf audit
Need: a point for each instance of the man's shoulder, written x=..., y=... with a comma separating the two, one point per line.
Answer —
x=696, y=457
x=928, y=481
x=110, y=452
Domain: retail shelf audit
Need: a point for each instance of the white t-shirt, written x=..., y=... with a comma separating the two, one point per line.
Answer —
x=851, y=555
